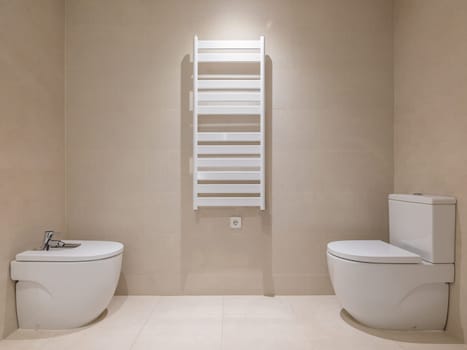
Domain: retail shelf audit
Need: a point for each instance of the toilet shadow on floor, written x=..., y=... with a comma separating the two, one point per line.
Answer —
x=424, y=337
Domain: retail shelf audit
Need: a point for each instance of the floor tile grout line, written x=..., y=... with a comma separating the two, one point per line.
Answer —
x=290, y=307
x=158, y=299
x=297, y=320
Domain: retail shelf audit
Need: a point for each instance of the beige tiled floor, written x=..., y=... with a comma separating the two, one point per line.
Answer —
x=227, y=322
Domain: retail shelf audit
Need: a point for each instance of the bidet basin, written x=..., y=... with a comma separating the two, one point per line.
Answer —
x=64, y=288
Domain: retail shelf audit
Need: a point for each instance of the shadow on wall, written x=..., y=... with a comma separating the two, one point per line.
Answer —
x=10, y=322
x=455, y=302
x=214, y=258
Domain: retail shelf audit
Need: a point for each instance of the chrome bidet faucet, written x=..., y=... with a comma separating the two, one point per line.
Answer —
x=49, y=242
x=48, y=235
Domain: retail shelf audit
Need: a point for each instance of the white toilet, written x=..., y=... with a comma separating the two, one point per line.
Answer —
x=404, y=284
x=65, y=288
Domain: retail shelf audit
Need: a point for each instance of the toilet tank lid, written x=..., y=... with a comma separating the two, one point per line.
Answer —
x=87, y=251
x=423, y=198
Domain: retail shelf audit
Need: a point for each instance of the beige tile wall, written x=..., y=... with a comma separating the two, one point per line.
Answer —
x=330, y=139
x=32, y=166
x=129, y=135
x=431, y=116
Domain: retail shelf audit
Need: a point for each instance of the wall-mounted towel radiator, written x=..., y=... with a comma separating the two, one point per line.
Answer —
x=228, y=123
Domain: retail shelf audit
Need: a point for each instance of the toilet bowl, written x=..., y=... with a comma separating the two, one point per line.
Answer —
x=64, y=288
x=391, y=290
x=403, y=284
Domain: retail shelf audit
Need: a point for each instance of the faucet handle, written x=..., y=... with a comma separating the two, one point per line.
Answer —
x=48, y=235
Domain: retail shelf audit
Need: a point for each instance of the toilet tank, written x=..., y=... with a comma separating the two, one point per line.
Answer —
x=423, y=224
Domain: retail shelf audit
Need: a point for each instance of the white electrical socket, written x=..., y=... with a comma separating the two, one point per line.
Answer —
x=235, y=222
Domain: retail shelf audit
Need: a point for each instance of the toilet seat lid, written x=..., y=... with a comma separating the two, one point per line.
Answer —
x=87, y=251
x=372, y=252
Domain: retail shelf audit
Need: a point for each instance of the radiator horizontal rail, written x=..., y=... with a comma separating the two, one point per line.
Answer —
x=229, y=136
x=229, y=57
x=228, y=201
x=229, y=110
x=229, y=188
x=229, y=44
x=228, y=76
x=228, y=162
x=229, y=149
x=224, y=96
x=229, y=84
x=229, y=175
